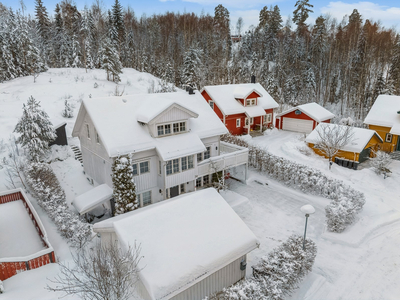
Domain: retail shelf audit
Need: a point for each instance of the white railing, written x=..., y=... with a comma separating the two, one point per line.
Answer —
x=231, y=156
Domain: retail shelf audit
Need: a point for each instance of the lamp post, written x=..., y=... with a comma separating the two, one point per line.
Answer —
x=307, y=210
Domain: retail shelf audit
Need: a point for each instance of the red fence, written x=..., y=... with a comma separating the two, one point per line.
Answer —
x=8, y=269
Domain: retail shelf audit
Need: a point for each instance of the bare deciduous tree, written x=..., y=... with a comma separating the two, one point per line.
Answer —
x=101, y=273
x=332, y=138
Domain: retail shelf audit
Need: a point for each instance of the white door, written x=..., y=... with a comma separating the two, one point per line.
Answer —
x=297, y=125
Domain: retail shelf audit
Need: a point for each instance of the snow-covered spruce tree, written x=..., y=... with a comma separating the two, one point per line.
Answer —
x=68, y=111
x=380, y=162
x=124, y=189
x=110, y=61
x=35, y=129
x=191, y=73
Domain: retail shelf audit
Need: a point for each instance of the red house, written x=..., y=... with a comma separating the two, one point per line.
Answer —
x=303, y=118
x=241, y=107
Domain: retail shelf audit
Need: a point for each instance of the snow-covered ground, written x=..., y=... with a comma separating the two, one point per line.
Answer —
x=360, y=263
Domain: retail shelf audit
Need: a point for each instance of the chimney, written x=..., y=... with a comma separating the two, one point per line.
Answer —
x=191, y=92
x=253, y=79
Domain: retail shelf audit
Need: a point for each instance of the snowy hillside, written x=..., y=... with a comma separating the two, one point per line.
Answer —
x=55, y=86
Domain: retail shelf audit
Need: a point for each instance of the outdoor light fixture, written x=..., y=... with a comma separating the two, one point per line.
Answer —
x=307, y=210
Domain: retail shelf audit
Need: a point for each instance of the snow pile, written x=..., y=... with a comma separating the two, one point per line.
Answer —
x=51, y=197
x=346, y=201
x=277, y=274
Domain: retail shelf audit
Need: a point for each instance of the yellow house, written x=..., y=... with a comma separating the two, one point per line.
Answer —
x=384, y=118
x=360, y=148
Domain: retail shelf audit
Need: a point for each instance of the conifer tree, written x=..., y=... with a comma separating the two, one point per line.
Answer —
x=192, y=68
x=35, y=129
x=110, y=62
x=124, y=188
x=300, y=15
x=118, y=23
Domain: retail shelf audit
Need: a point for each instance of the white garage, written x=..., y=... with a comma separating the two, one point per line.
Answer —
x=297, y=125
x=303, y=118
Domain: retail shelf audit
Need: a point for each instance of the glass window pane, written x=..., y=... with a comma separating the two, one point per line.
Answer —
x=190, y=162
x=182, y=126
x=169, y=167
x=206, y=180
x=167, y=128
x=182, y=188
x=88, y=131
x=144, y=167
x=198, y=182
x=184, y=163
x=146, y=198
x=176, y=127
x=160, y=130
x=199, y=157
x=207, y=153
x=135, y=169
x=176, y=165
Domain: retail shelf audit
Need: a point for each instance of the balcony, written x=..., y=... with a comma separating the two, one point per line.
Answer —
x=230, y=156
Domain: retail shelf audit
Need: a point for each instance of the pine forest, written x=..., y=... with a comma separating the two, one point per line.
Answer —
x=343, y=64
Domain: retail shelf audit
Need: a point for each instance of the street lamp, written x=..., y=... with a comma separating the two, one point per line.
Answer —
x=308, y=210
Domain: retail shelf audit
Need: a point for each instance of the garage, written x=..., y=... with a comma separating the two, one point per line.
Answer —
x=303, y=118
x=297, y=125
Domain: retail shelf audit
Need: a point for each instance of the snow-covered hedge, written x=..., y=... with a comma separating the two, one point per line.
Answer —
x=51, y=197
x=345, y=203
x=276, y=275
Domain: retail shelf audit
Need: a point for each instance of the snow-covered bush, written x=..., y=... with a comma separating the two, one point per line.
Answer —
x=68, y=111
x=123, y=185
x=380, y=162
x=346, y=201
x=276, y=275
x=51, y=197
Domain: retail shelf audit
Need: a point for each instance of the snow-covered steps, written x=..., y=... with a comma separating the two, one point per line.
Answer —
x=78, y=153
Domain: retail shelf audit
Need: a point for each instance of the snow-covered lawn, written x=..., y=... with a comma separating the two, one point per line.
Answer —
x=361, y=263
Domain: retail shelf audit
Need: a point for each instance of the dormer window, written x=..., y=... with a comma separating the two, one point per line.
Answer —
x=166, y=128
x=250, y=102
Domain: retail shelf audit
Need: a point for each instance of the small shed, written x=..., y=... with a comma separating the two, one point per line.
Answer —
x=303, y=118
x=359, y=149
x=23, y=240
x=192, y=245
x=61, y=139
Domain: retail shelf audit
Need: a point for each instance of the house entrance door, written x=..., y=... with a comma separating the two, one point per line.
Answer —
x=174, y=191
x=398, y=143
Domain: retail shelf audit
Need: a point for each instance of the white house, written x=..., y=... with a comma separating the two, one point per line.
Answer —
x=192, y=245
x=174, y=139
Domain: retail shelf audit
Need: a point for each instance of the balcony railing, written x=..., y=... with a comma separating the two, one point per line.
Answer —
x=231, y=156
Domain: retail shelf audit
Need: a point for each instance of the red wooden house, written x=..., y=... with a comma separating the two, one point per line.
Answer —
x=303, y=118
x=241, y=107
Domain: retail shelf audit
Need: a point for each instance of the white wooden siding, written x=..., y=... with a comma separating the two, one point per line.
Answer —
x=214, y=283
x=148, y=180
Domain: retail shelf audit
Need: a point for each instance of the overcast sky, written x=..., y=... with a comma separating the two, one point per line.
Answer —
x=387, y=11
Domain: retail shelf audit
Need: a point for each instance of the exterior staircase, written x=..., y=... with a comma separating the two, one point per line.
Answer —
x=395, y=155
x=78, y=153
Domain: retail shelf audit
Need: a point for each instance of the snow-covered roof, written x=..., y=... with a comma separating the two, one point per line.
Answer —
x=116, y=121
x=151, y=109
x=225, y=97
x=175, y=146
x=183, y=240
x=313, y=110
x=384, y=112
x=361, y=137
x=89, y=200
x=254, y=111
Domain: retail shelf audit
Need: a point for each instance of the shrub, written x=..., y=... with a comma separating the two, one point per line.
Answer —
x=345, y=203
x=51, y=197
x=276, y=275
